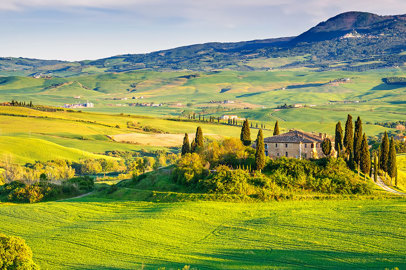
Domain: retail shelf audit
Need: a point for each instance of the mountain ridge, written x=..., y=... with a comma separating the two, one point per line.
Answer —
x=381, y=39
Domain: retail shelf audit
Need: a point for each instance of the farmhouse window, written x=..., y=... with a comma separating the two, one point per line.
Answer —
x=276, y=145
x=286, y=145
x=286, y=154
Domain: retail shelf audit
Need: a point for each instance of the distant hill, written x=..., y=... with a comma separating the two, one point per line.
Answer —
x=361, y=22
x=358, y=40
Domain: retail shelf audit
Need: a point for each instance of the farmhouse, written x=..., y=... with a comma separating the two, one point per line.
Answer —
x=226, y=117
x=295, y=143
x=401, y=138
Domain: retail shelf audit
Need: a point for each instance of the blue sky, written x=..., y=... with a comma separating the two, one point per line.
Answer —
x=91, y=29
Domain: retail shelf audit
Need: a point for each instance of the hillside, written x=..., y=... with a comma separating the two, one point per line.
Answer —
x=356, y=40
x=100, y=233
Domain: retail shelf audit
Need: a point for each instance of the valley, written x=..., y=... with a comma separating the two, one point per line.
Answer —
x=164, y=160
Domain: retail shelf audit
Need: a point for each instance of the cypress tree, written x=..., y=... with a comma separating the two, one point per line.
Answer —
x=199, y=137
x=338, y=141
x=358, y=140
x=186, y=145
x=348, y=136
x=260, y=152
x=276, y=129
x=383, y=159
x=375, y=168
x=392, y=168
x=326, y=146
x=245, y=135
x=365, y=158
x=193, y=146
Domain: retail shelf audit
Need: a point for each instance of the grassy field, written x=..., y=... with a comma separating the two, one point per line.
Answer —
x=97, y=233
x=34, y=134
x=401, y=163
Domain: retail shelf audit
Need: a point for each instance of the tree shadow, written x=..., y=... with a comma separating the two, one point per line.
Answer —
x=384, y=86
x=269, y=258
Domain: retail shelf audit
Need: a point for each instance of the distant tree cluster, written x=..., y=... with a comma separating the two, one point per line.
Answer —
x=395, y=80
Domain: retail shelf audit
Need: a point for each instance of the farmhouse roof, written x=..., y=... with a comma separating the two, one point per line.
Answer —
x=295, y=136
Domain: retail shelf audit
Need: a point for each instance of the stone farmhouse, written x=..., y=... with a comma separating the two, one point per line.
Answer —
x=296, y=144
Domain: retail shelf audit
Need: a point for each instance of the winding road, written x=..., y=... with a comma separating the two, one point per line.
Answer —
x=382, y=185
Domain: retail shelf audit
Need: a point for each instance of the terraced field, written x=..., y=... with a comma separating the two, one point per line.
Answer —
x=97, y=233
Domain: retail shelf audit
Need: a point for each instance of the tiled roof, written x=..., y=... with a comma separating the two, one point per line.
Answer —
x=294, y=136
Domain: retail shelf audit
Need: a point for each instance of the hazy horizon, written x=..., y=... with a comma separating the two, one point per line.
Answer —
x=92, y=29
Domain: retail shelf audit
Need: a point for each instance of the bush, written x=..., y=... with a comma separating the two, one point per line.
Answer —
x=227, y=181
x=328, y=175
x=17, y=191
x=27, y=194
x=83, y=184
x=15, y=254
x=190, y=169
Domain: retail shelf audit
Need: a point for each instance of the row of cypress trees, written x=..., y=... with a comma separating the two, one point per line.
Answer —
x=387, y=158
x=196, y=144
x=354, y=146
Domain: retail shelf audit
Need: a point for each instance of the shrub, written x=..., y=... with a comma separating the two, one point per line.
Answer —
x=29, y=193
x=329, y=175
x=84, y=184
x=227, y=181
x=15, y=254
x=190, y=169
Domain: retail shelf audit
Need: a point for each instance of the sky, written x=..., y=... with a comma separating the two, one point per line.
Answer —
x=93, y=29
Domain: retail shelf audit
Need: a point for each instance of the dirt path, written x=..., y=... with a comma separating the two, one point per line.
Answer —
x=382, y=185
x=77, y=197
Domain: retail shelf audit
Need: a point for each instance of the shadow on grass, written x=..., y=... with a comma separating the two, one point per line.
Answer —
x=269, y=258
x=384, y=86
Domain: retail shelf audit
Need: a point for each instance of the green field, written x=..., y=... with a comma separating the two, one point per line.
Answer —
x=97, y=233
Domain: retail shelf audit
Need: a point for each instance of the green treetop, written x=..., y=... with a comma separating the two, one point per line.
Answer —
x=326, y=146
x=276, y=129
x=358, y=140
x=245, y=133
x=199, y=137
x=375, y=168
x=392, y=168
x=348, y=136
x=338, y=141
x=383, y=158
x=365, y=158
x=260, y=151
x=185, y=145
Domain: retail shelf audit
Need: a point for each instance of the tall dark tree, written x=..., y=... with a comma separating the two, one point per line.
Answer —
x=358, y=140
x=185, y=145
x=199, y=137
x=276, y=129
x=245, y=135
x=260, y=151
x=338, y=140
x=392, y=168
x=375, y=168
x=348, y=136
x=326, y=146
x=365, y=158
x=383, y=158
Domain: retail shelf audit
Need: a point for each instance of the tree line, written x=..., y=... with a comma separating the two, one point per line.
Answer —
x=353, y=146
